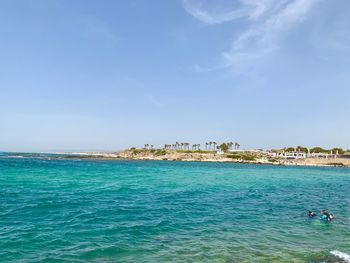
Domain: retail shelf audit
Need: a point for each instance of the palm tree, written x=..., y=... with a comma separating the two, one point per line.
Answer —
x=238, y=145
x=146, y=146
x=210, y=143
x=214, y=145
x=199, y=146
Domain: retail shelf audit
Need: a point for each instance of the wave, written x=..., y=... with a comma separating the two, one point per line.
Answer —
x=342, y=255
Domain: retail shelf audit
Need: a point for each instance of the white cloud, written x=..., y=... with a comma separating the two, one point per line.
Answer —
x=268, y=21
x=263, y=38
x=220, y=11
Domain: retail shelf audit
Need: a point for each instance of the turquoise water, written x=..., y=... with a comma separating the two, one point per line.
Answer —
x=145, y=211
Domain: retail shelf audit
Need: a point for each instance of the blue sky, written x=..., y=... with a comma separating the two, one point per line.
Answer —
x=105, y=75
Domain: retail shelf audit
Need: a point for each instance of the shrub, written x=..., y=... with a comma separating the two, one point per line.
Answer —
x=318, y=150
x=337, y=150
x=290, y=149
x=135, y=152
x=223, y=147
x=302, y=149
x=160, y=152
x=233, y=156
x=193, y=151
x=248, y=158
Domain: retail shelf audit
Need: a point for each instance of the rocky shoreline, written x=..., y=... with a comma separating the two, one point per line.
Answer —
x=206, y=156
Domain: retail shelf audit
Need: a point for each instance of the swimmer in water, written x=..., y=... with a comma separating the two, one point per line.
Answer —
x=326, y=216
x=311, y=214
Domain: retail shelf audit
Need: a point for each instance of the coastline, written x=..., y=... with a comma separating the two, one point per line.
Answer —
x=193, y=156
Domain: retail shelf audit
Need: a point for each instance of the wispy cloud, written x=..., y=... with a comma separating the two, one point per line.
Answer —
x=218, y=13
x=268, y=21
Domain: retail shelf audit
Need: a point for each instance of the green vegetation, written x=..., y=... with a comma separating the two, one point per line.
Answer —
x=318, y=150
x=135, y=151
x=302, y=149
x=297, y=149
x=233, y=156
x=160, y=152
x=321, y=150
x=248, y=158
x=337, y=151
x=241, y=156
x=224, y=147
x=312, y=150
x=193, y=151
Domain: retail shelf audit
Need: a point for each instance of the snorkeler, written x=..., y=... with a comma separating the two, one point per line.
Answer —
x=311, y=214
x=326, y=216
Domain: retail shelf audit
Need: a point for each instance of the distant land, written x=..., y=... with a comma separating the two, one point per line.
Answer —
x=226, y=152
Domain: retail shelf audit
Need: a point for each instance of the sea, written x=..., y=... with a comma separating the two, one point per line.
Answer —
x=55, y=209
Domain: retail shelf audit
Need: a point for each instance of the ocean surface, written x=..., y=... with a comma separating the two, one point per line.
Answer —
x=77, y=210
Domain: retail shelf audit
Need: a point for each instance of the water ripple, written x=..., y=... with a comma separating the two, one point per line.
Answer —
x=108, y=211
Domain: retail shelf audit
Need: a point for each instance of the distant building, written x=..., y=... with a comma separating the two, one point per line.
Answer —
x=291, y=155
x=300, y=155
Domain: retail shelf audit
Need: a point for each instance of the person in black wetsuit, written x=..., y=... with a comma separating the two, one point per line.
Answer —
x=311, y=214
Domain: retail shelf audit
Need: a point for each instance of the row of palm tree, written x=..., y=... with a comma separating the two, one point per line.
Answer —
x=196, y=147
x=209, y=146
x=148, y=147
x=178, y=146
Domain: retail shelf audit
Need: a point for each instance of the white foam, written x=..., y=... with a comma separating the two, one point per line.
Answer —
x=341, y=255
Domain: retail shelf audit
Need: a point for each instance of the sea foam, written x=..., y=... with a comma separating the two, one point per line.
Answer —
x=341, y=255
